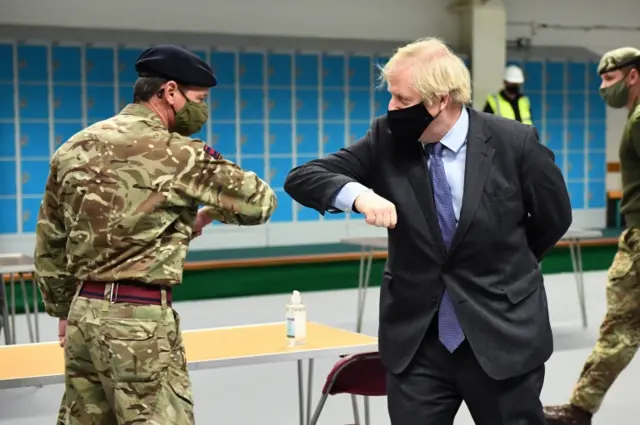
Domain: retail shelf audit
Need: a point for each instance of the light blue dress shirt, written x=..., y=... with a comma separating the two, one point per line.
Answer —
x=454, y=159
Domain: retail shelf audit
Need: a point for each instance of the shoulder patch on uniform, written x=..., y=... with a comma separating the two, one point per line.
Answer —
x=214, y=153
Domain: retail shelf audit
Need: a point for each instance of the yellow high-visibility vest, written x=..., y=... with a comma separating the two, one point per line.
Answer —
x=504, y=109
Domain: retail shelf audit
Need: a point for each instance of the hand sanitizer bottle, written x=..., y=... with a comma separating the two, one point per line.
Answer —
x=296, y=320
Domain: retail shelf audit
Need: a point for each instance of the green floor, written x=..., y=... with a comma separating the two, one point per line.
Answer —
x=236, y=282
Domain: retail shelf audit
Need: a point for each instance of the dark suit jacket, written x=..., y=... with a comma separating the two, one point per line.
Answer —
x=515, y=208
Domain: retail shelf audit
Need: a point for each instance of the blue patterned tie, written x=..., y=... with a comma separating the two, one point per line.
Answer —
x=449, y=330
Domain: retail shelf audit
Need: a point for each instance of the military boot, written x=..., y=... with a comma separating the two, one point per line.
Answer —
x=566, y=414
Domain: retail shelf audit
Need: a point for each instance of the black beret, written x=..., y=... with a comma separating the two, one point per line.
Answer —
x=175, y=63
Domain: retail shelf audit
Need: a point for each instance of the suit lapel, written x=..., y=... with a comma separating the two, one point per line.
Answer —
x=421, y=183
x=477, y=164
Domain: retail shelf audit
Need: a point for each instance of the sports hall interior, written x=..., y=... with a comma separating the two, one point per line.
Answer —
x=297, y=81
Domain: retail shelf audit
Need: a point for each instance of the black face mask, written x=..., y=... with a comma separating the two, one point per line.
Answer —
x=512, y=89
x=408, y=124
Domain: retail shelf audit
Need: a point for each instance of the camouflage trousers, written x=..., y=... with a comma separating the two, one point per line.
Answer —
x=125, y=364
x=620, y=331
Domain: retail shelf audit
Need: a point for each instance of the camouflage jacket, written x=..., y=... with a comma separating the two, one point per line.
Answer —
x=121, y=201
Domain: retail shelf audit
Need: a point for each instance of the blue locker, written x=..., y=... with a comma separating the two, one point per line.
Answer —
x=360, y=69
x=577, y=76
x=333, y=104
x=554, y=106
x=251, y=139
x=334, y=137
x=357, y=131
x=99, y=66
x=8, y=178
x=251, y=104
x=255, y=164
x=576, y=195
x=223, y=138
x=32, y=64
x=575, y=136
x=308, y=214
x=34, y=140
x=8, y=216
x=251, y=69
x=7, y=111
x=593, y=80
x=381, y=102
x=559, y=159
x=6, y=63
x=278, y=170
x=533, y=80
x=597, y=136
x=307, y=139
x=280, y=138
x=597, y=166
x=555, y=136
x=203, y=134
x=575, y=165
x=280, y=104
x=125, y=96
x=597, y=194
x=222, y=104
x=306, y=66
x=64, y=131
x=535, y=99
x=101, y=103
x=224, y=67
x=307, y=105
x=279, y=69
x=34, y=176
x=34, y=101
x=333, y=71
x=597, y=110
x=7, y=141
x=360, y=105
x=284, y=212
x=126, y=65
x=67, y=102
x=67, y=64
x=576, y=106
x=30, y=211
x=554, y=76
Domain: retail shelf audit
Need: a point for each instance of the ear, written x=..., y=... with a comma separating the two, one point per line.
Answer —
x=634, y=76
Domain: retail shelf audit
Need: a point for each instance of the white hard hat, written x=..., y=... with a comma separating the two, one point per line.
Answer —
x=513, y=74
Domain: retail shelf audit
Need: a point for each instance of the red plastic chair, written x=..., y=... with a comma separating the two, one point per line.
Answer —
x=358, y=374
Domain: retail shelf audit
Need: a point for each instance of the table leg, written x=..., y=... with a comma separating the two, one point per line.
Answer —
x=12, y=282
x=301, y=391
x=6, y=326
x=366, y=262
x=576, y=261
x=36, y=312
x=27, y=309
x=309, y=390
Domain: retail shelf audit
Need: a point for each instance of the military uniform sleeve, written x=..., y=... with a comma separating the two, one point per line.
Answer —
x=56, y=284
x=232, y=195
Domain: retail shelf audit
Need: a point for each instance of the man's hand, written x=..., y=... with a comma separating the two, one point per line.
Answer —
x=62, y=331
x=377, y=211
x=202, y=220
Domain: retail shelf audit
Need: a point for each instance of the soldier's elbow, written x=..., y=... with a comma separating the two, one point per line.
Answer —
x=269, y=206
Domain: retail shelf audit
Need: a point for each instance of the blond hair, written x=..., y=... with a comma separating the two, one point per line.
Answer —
x=435, y=70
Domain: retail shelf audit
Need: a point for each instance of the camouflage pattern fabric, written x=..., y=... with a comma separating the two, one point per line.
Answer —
x=613, y=59
x=121, y=201
x=620, y=331
x=126, y=365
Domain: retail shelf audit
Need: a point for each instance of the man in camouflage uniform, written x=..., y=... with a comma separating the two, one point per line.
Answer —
x=620, y=332
x=118, y=213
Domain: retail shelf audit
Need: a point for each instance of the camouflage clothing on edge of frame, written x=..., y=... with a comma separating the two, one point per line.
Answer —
x=620, y=331
x=121, y=201
x=130, y=357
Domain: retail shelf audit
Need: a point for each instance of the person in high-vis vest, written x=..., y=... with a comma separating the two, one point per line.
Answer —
x=510, y=102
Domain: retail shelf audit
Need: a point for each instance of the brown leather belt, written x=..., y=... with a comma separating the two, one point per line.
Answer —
x=127, y=291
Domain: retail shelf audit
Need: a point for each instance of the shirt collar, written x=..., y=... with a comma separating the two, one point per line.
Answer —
x=457, y=136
